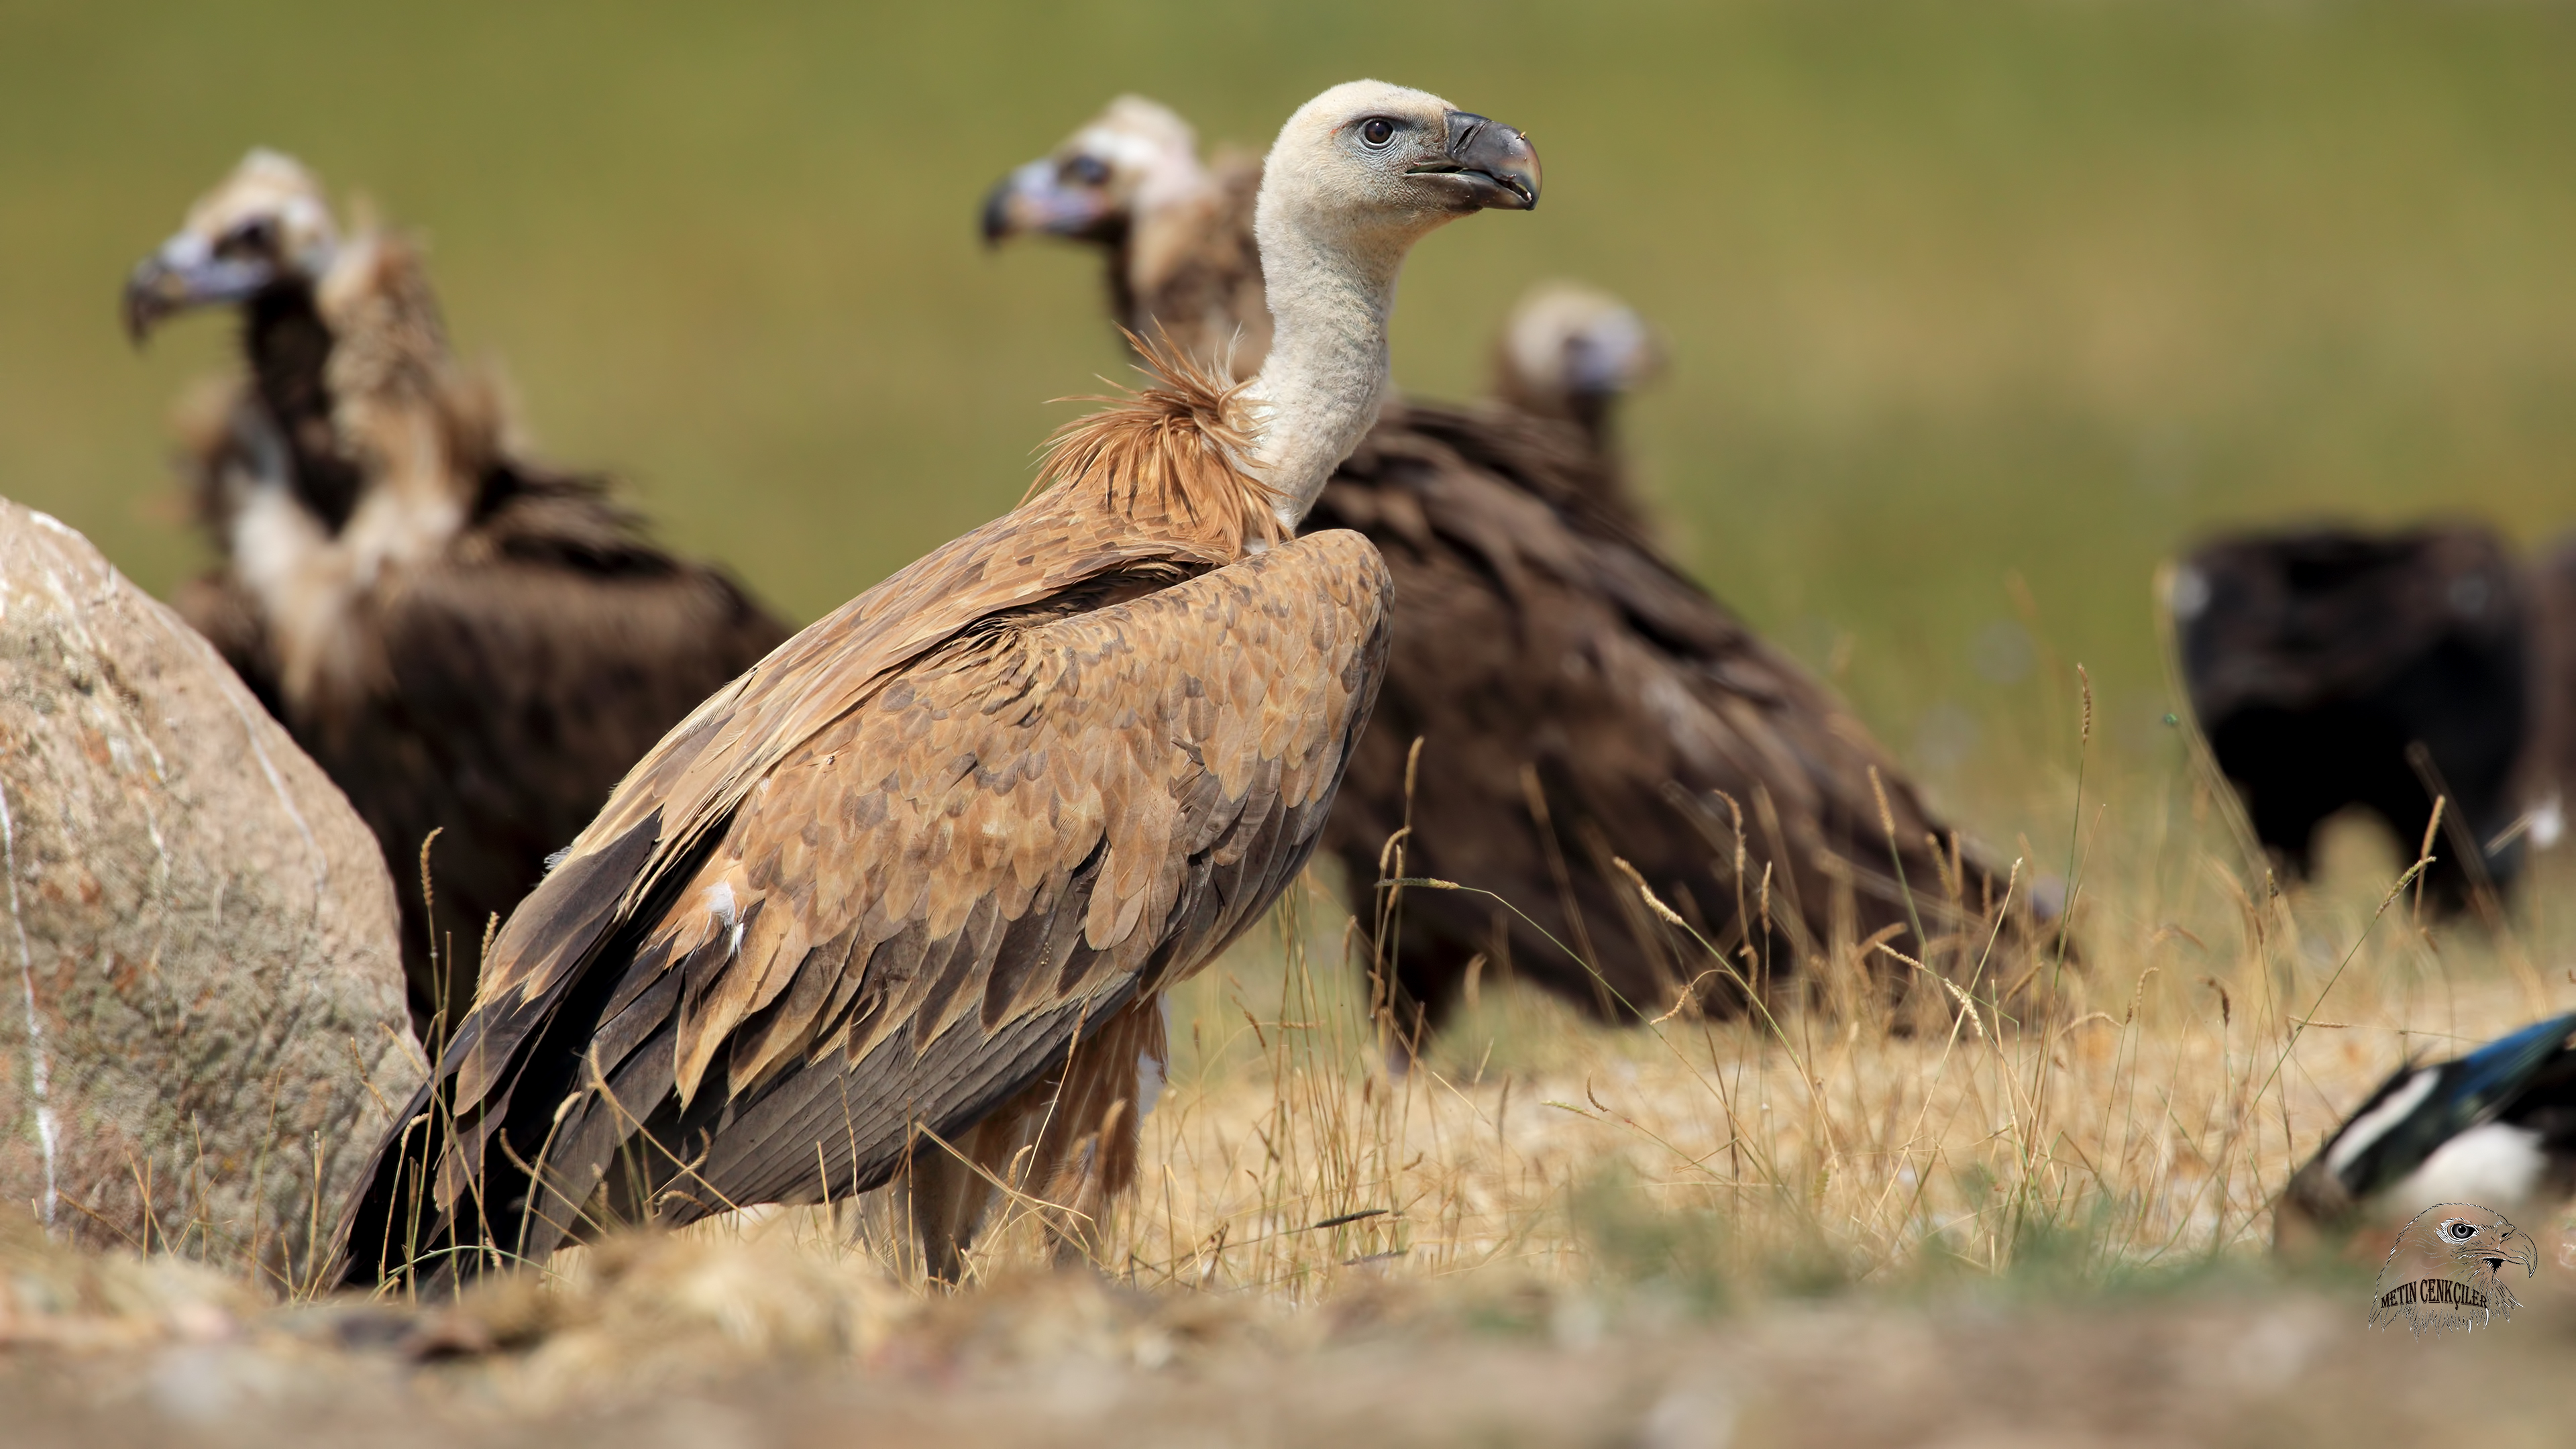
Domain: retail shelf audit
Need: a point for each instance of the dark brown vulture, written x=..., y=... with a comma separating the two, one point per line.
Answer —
x=2317, y=659
x=1578, y=697
x=2549, y=758
x=467, y=642
x=921, y=877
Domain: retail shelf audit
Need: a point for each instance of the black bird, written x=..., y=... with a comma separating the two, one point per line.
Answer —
x=470, y=643
x=2319, y=662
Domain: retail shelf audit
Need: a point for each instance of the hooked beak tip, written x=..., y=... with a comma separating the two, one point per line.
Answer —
x=140, y=306
x=1499, y=157
x=994, y=222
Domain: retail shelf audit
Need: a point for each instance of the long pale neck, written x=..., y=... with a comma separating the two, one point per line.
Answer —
x=1326, y=374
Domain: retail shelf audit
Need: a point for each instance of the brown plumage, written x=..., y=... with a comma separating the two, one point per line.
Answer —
x=910, y=889
x=891, y=874
x=1578, y=698
x=471, y=644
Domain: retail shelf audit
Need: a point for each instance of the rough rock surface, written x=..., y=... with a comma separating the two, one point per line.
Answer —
x=201, y=1002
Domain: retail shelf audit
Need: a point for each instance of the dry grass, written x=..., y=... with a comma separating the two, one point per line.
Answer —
x=1543, y=1228
x=2207, y=1035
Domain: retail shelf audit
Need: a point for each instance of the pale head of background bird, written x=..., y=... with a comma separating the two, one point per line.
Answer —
x=267, y=224
x=1573, y=351
x=2459, y=1243
x=1133, y=158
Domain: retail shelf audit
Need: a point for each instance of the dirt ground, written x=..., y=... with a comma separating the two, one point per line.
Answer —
x=723, y=1347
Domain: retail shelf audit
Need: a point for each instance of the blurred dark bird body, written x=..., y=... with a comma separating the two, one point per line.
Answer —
x=2317, y=659
x=1578, y=698
x=908, y=892
x=2549, y=775
x=469, y=643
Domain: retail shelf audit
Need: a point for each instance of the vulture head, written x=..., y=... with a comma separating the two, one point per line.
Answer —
x=1135, y=156
x=1571, y=351
x=266, y=226
x=1367, y=169
x=1357, y=176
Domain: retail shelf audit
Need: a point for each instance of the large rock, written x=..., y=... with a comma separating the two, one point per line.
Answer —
x=201, y=1001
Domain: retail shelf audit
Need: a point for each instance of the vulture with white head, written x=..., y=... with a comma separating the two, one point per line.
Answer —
x=912, y=888
x=1579, y=700
x=471, y=644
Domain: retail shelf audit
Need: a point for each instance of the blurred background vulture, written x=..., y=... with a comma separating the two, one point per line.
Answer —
x=2332, y=668
x=911, y=888
x=470, y=643
x=1578, y=698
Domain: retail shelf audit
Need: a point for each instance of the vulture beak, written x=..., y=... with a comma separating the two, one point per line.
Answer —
x=1488, y=163
x=186, y=273
x=1036, y=198
x=1610, y=360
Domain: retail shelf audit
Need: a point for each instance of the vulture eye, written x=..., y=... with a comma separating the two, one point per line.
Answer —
x=1376, y=131
x=259, y=234
x=1087, y=171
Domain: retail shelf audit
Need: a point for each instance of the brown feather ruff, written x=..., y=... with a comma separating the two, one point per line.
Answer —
x=1183, y=440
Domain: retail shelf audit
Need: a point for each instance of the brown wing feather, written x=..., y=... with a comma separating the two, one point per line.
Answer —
x=912, y=913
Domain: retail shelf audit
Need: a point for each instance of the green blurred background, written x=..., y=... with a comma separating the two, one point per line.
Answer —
x=1958, y=294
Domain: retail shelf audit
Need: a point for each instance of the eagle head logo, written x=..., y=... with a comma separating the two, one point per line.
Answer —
x=2447, y=1270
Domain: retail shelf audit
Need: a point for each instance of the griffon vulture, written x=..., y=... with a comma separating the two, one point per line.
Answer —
x=471, y=644
x=2318, y=663
x=1578, y=698
x=914, y=885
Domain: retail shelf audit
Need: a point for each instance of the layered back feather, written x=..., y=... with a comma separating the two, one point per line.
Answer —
x=1156, y=477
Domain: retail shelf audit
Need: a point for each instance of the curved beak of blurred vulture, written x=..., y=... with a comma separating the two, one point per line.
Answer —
x=911, y=889
x=1135, y=154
